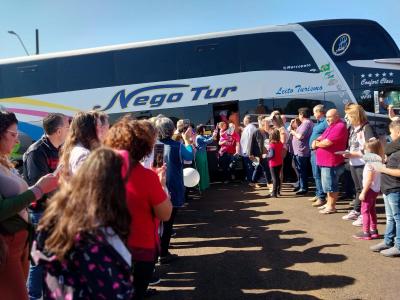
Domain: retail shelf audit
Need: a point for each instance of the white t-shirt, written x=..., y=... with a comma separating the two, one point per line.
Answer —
x=77, y=157
x=245, y=139
x=376, y=180
x=356, y=143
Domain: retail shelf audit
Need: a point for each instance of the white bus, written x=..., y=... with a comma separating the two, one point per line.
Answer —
x=284, y=67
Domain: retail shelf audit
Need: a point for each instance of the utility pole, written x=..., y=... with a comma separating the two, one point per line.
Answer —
x=37, y=41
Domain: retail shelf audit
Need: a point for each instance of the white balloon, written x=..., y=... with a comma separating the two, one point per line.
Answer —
x=190, y=177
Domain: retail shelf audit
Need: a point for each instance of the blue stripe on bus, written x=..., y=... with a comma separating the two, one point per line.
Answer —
x=35, y=132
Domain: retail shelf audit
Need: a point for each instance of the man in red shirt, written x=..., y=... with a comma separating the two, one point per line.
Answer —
x=332, y=141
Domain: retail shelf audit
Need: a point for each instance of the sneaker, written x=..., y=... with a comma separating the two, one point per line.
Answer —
x=155, y=278
x=319, y=203
x=379, y=247
x=313, y=199
x=168, y=258
x=358, y=222
x=391, y=252
x=296, y=189
x=362, y=236
x=296, y=184
x=374, y=234
x=352, y=215
x=323, y=206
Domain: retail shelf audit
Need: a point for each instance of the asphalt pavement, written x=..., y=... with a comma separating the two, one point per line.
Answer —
x=234, y=243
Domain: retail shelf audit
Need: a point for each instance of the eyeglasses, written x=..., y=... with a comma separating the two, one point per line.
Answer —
x=13, y=133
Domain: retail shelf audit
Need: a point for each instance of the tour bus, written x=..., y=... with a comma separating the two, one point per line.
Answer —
x=208, y=77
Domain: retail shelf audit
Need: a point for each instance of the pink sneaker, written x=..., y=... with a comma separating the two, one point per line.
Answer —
x=362, y=236
x=374, y=234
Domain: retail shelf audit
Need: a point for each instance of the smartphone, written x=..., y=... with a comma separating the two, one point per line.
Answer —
x=158, y=160
x=342, y=152
x=58, y=169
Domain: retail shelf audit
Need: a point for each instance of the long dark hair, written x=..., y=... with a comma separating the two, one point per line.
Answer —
x=6, y=120
x=83, y=131
x=93, y=198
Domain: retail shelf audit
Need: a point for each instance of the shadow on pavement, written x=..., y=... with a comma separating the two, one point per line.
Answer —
x=227, y=251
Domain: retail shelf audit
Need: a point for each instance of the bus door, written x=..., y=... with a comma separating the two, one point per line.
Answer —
x=228, y=112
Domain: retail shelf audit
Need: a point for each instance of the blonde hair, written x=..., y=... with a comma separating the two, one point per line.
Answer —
x=356, y=114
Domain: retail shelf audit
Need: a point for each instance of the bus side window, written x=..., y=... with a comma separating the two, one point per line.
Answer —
x=207, y=57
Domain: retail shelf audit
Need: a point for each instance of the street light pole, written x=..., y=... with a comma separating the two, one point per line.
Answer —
x=22, y=43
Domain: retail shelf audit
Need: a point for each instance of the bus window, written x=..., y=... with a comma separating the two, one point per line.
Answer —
x=207, y=57
x=275, y=51
x=386, y=98
x=366, y=39
x=147, y=64
x=256, y=107
x=31, y=78
x=85, y=71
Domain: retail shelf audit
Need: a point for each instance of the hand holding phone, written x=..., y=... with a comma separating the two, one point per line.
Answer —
x=58, y=170
x=158, y=159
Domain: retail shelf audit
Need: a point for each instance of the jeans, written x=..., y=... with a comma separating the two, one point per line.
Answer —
x=35, y=279
x=392, y=209
x=356, y=174
x=319, y=192
x=330, y=178
x=262, y=170
x=301, y=166
x=248, y=167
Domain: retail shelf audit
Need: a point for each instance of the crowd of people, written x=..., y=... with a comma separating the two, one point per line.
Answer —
x=96, y=214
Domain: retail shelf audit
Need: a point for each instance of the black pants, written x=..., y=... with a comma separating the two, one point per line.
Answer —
x=356, y=174
x=276, y=179
x=167, y=232
x=142, y=273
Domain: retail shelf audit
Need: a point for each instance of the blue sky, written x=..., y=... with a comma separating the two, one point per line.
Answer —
x=75, y=24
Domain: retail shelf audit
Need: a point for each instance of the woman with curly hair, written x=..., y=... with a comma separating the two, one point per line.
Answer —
x=83, y=230
x=147, y=201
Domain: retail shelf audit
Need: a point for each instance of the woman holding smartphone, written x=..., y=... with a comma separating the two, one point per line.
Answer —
x=360, y=132
x=15, y=228
x=147, y=201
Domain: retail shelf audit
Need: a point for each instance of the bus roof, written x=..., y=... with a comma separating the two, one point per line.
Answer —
x=272, y=28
